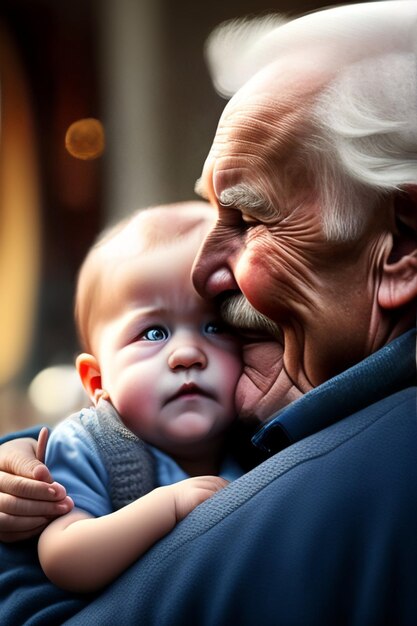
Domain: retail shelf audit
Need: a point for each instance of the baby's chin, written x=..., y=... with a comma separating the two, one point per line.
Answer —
x=191, y=426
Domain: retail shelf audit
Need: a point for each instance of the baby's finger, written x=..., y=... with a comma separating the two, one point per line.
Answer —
x=212, y=483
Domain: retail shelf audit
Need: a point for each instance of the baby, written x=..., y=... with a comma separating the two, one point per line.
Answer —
x=161, y=368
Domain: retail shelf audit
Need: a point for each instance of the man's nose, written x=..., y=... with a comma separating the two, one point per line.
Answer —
x=187, y=357
x=211, y=273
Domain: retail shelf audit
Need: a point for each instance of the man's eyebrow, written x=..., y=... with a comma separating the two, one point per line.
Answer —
x=248, y=199
x=199, y=189
x=243, y=197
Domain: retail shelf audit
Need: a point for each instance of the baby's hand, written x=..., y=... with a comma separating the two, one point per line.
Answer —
x=191, y=492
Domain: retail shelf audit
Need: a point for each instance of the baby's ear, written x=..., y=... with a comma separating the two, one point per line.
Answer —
x=90, y=374
x=399, y=281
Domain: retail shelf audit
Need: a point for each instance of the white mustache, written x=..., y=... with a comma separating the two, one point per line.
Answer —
x=238, y=312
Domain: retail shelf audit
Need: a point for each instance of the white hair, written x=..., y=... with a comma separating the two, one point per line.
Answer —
x=362, y=137
x=368, y=118
x=231, y=50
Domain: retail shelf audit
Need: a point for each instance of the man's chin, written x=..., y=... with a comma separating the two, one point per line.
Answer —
x=264, y=386
x=247, y=402
x=254, y=405
x=251, y=403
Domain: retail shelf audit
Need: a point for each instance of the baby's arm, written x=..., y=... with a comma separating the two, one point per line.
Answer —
x=82, y=553
x=29, y=498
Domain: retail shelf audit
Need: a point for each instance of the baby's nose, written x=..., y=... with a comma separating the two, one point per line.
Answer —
x=187, y=356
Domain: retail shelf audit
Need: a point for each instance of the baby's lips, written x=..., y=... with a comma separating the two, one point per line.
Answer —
x=187, y=389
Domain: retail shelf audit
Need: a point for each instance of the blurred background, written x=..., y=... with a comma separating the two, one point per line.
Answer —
x=138, y=66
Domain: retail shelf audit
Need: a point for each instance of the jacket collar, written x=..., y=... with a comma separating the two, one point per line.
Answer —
x=383, y=373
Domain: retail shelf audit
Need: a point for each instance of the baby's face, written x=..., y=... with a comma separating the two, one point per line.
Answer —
x=167, y=361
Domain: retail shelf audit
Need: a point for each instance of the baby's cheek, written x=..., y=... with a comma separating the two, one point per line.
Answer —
x=134, y=419
x=133, y=403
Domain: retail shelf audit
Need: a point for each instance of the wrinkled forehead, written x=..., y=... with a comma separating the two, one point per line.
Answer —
x=280, y=73
x=262, y=122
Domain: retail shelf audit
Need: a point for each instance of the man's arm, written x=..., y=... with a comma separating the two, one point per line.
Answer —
x=82, y=553
x=29, y=498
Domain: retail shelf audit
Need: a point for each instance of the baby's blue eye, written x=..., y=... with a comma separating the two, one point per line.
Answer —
x=158, y=333
x=214, y=328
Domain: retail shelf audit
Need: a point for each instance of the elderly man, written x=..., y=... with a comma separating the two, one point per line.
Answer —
x=313, y=170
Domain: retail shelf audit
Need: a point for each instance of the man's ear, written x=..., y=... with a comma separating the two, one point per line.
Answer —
x=399, y=282
x=90, y=374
